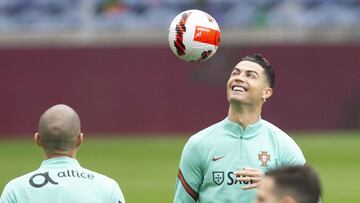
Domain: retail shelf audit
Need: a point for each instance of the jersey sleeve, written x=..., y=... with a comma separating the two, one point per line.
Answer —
x=290, y=153
x=190, y=176
x=117, y=195
x=6, y=196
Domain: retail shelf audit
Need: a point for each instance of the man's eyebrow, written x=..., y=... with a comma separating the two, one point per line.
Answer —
x=248, y=71
x=252, y=71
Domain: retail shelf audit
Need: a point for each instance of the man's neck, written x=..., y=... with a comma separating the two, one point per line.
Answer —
x=58, y=154
x=244, y=115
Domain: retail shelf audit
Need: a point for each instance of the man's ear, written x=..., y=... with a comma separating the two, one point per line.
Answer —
x=267, y=92
x=80, y=139
x=288, y=199
x=37, y=139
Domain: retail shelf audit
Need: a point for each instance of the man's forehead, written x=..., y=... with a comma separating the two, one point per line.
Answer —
x=248, y=66
x=268, y=183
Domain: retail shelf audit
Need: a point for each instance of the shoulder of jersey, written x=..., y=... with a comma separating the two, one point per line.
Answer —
x=205, y=133
x=101, y=177
x=22, y=180
x=275, y=130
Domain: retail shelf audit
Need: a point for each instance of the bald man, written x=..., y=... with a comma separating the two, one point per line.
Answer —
x=60, y=178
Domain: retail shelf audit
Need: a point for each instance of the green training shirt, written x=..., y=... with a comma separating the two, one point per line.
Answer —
x=210, y=157
x=62, y=180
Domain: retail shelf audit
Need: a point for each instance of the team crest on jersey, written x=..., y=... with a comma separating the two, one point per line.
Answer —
x=218, y=177
x=264, y=158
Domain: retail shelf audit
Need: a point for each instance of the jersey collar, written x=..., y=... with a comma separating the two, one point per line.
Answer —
x=237, y=130
x=59, y=162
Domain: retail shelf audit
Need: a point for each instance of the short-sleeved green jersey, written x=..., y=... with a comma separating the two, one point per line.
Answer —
x=210, y=157
x=60, y=180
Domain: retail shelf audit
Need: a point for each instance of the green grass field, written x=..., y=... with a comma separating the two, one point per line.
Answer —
x=146, y=167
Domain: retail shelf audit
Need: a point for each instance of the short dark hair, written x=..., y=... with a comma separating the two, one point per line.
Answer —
x=301, y=182
x=265, y=64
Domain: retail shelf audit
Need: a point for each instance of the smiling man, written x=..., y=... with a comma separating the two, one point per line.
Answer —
x=224, y=162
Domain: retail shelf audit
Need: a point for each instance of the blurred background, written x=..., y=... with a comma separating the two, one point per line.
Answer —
x=110, y=60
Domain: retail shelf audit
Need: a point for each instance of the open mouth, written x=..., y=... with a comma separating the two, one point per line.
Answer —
x=239, y=88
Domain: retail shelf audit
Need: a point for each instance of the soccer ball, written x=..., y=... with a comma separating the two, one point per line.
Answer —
x=194, y=36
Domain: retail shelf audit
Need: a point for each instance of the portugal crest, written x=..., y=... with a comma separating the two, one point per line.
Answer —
x=218, y=177
x=264, y=157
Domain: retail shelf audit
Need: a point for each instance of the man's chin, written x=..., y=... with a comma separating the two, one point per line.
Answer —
x=236, y=100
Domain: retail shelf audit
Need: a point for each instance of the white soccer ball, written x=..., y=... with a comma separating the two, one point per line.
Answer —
x=194, y=36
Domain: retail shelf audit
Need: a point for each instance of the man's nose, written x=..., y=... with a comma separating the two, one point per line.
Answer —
x=240, y=77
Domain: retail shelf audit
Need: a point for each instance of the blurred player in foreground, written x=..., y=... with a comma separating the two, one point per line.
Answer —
x=223, y=162
x=293, y=184
x=60, y=177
